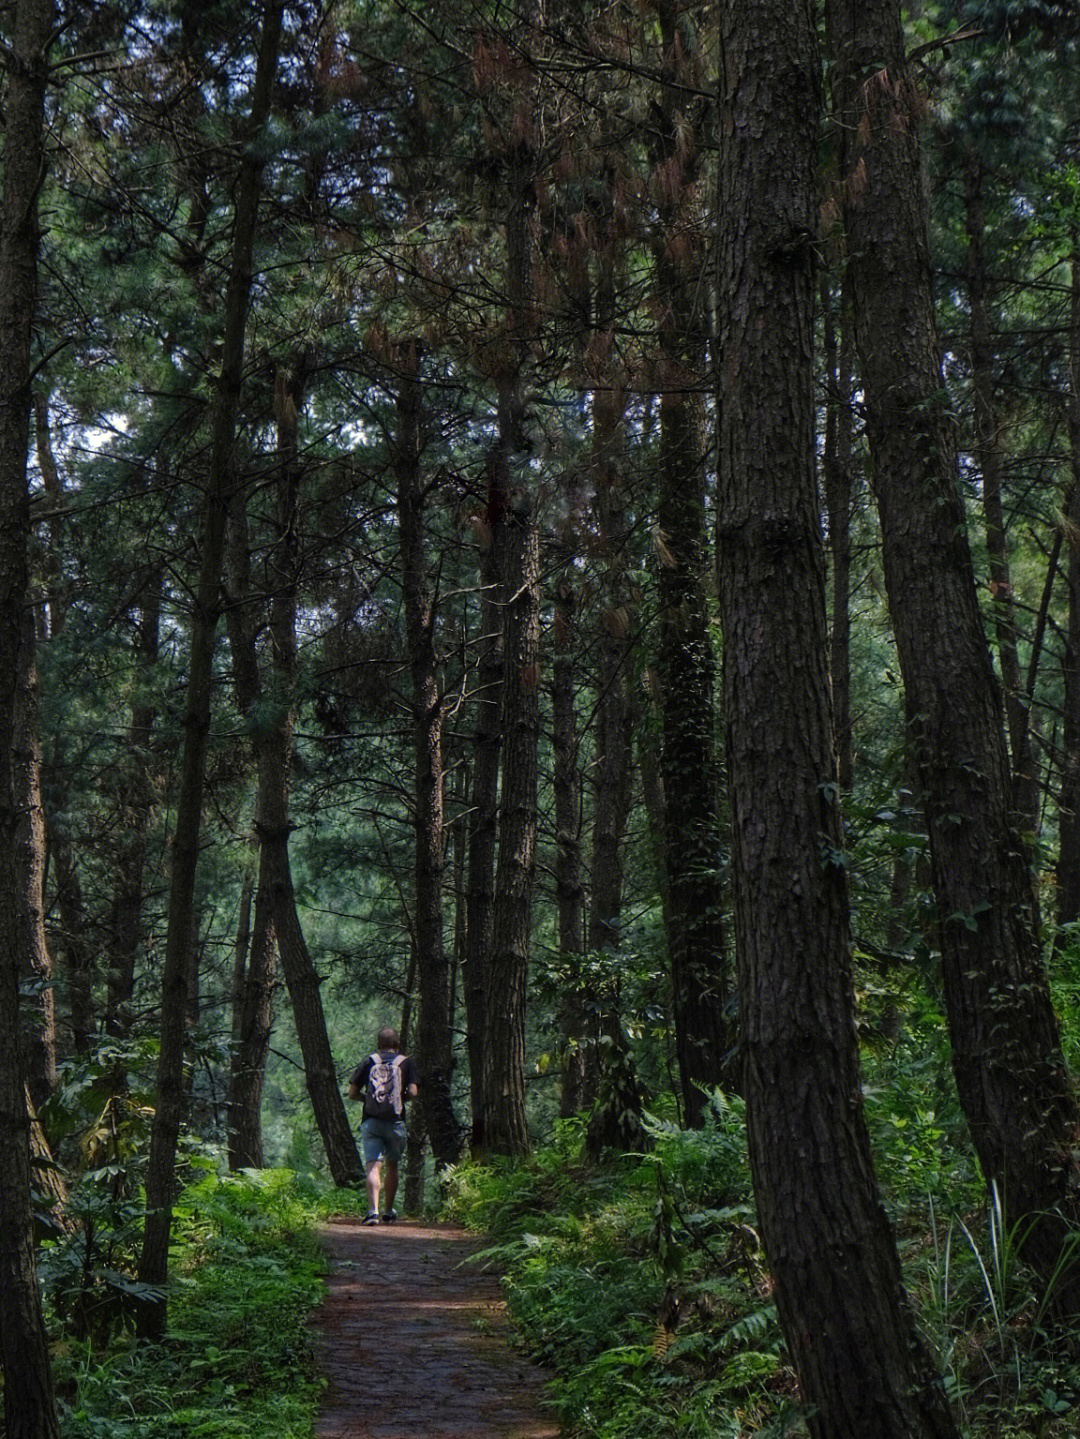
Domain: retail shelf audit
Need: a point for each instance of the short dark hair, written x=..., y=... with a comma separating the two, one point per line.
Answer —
x=388, y=1039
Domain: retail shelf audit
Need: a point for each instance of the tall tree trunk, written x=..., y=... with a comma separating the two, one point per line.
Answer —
x=836, y=1274
x=1068, y=864
x=38, y=1017
x=160, y=1170
x=610, y=1072
x=276, y=918
x=256, y=966
x=29, y=1408
x=518, y=552
x=1006, y=1049
x=504, y=1125
x=74, y=931
x=567, y=793
x=988, y=452
x=137, y=805
x=839, y=423
x=483, y=812
x=74, y=937
x=434, y=1040
x=685, y=663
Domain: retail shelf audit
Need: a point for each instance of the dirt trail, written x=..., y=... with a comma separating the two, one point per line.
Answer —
x=416, y=1347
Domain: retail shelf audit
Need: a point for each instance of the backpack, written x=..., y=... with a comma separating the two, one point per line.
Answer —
x=382, y=1095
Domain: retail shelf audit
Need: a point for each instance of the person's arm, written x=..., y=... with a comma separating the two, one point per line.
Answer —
x=359, y=1079
x=412, y=1086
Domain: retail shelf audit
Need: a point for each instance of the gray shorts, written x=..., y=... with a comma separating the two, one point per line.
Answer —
x=382, y=1139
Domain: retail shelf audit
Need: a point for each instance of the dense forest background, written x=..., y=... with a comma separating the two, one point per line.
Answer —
x=557, y=529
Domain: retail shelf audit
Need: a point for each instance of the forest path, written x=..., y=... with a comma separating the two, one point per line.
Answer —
x=414, y=1345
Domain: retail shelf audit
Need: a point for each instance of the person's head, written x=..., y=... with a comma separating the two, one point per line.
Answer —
x=388, y=1039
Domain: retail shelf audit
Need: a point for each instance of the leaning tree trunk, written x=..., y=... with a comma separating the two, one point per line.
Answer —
x=29, y=1408
x=1006, y=1049
x=256, y=958
x=160, y=1170
x=274, y=749
x=276, y=917
x=685, y=663
x=434, y=1040
x=849, y=1327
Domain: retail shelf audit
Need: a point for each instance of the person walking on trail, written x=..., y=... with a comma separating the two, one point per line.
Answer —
x=386, y=1080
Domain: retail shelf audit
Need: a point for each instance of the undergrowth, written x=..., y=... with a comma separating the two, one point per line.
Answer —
x=644, y=1288
x=237, y=1359
x=641, y=1286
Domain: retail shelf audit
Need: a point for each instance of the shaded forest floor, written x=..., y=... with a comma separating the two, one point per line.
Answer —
x=415, y=1342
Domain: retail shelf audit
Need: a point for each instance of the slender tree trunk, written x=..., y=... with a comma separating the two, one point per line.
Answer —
x=1068, y=865
x=137, y=807
x=38, y=1017
x=504, y=1124
x=569, y=893
x=1006, y=1048
x=29, y=1409
x=160, y=1175
x=434, y=1041
x=839, y=424
x=988, y=452
x=685, y=662
x=483, y=813
x=837, y=1283
x=518, y=554
x=610, y=1072
x=74, y=930
x=253, y=1002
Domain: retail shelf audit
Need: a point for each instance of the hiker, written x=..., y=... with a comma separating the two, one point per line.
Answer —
x=386, y=1080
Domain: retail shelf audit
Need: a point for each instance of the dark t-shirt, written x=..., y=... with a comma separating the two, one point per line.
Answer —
x=409, y=1076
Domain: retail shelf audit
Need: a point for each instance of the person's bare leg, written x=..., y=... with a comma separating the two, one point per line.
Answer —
x=373, y=1182
x=391, y=1184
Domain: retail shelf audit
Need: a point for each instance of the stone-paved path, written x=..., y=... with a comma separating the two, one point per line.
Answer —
x=415, y=1344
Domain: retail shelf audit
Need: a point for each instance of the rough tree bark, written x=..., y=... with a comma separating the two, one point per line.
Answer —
x=160, y=1175
x=483, y=812
x=1006, y=1050
x=836, y=1274
x=685, y=663
x=29, y=1408
x=517, y=545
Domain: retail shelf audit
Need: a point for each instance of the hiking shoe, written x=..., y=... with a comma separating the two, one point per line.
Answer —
x=371, y=1217
x=389, y=1216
